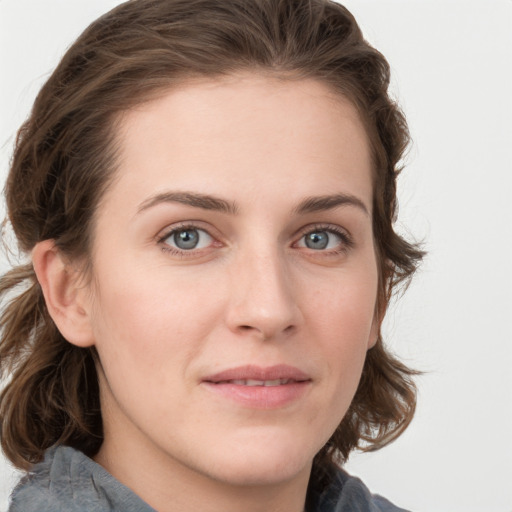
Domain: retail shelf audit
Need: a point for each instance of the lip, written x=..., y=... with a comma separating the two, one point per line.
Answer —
x=226, y=384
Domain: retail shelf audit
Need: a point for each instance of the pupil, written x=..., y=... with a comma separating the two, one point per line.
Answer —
x=187, y=239
x=317, y=240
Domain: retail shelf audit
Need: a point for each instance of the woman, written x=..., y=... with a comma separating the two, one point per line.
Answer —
x=207, y=194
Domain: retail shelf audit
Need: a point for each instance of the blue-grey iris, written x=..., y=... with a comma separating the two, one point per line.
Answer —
x=186, y=239
x=317, y=240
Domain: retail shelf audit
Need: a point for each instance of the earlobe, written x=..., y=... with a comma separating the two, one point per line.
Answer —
x=376, y=325
x=374, y=334
x=64, y=294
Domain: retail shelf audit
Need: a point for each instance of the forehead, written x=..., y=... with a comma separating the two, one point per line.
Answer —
x=236, y=132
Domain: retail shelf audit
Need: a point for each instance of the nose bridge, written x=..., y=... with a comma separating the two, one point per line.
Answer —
x=263, y=300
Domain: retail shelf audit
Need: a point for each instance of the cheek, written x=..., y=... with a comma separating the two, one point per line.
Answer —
x=343, y=316
x=146, y=335
x=142, y=322
x=345, y=306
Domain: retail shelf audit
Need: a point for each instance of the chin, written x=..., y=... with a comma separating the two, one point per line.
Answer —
x=258, y=464
x=268, y=474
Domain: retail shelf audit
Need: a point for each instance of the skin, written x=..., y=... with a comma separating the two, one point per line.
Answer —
x=252, y=291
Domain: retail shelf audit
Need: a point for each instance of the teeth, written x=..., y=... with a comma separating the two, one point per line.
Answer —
x=252, y=382
x=238, y=382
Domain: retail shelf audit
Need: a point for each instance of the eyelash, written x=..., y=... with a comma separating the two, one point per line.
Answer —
x=176, y=229
x=346, y=240
x=346, y=243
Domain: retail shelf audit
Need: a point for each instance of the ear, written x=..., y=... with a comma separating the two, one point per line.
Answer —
x=65, y=295
x=378, y=317
x=374, y=332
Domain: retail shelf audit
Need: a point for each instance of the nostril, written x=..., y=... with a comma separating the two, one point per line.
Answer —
x=249, y=328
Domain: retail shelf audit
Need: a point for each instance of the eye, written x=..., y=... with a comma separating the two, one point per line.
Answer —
x=187, y=239
x=323, y=239
x=317, y=240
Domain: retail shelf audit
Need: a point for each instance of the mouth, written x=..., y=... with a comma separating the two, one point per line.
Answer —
x=259, y=388
x=252, y=375
x=253, y=382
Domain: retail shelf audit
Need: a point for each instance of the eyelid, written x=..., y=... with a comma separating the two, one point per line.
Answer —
x=346, y=238
x=342, y=233
x=167, y=232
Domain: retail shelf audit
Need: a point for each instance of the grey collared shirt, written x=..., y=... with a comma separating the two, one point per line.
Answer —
x=69, y=481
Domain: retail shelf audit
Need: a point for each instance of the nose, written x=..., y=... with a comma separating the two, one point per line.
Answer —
x=262, y=298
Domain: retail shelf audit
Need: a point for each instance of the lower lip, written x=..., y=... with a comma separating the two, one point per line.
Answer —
x=260, y=397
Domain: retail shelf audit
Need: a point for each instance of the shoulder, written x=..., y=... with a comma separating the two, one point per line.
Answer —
x=40, y=488
x=69, y=481
x=346, y=493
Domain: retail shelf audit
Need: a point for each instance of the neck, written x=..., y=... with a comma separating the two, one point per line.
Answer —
x=168, y=486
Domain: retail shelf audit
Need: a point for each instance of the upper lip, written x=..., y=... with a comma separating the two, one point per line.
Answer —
x=253, y=372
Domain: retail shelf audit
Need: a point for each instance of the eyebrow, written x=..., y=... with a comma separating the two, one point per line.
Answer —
x=329, y=202
x=207, y=202
x=196, y=200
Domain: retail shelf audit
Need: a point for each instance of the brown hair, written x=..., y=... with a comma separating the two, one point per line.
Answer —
x=64, y=160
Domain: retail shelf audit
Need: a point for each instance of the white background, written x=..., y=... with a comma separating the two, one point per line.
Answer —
x=453, y=76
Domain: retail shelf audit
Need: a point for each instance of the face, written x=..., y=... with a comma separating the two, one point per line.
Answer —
x=234, y=278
